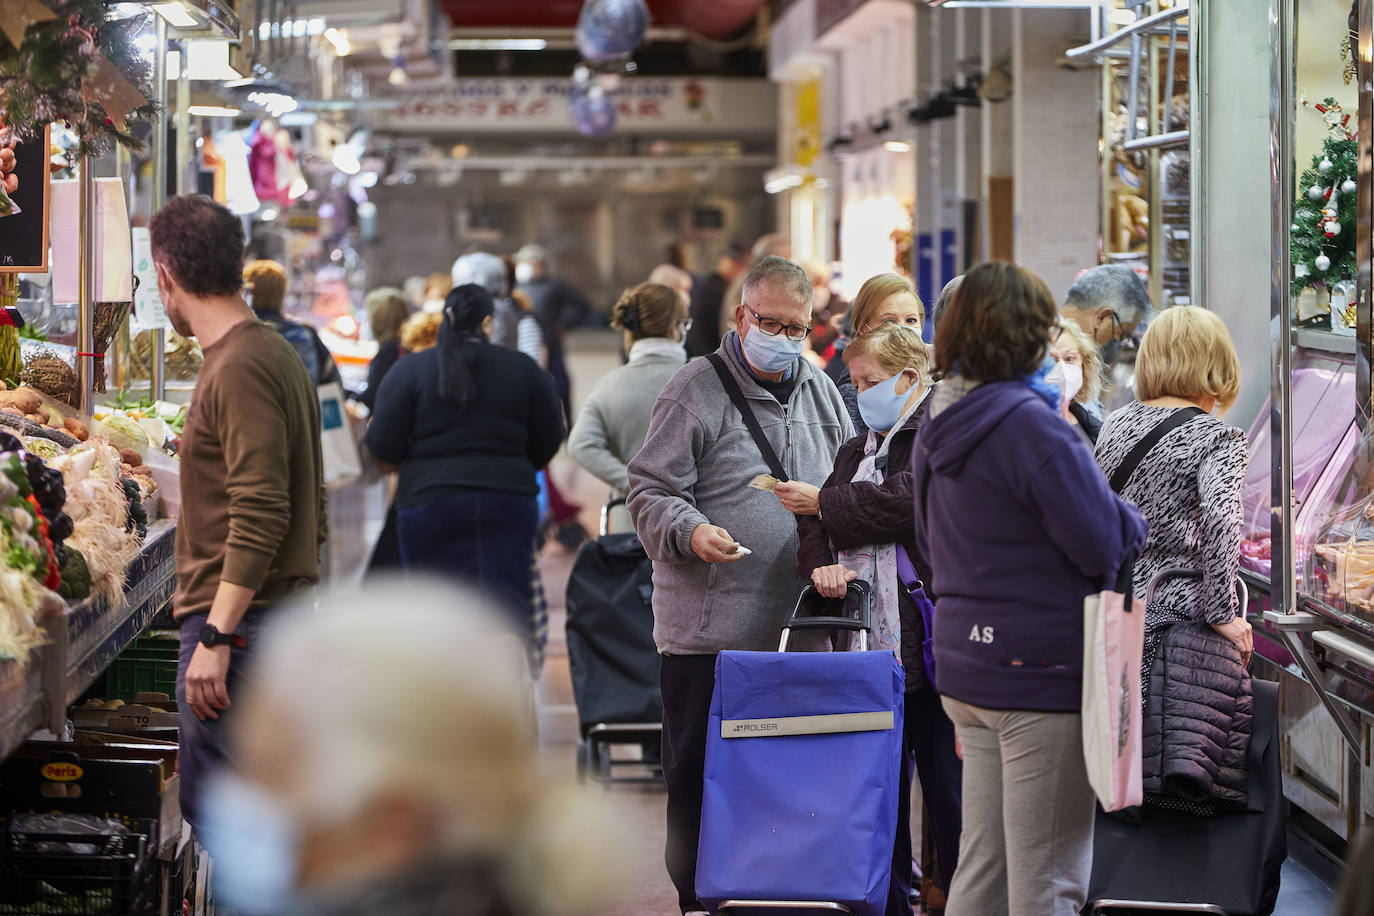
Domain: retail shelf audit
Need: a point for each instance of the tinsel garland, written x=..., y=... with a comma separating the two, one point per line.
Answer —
x=63, y=61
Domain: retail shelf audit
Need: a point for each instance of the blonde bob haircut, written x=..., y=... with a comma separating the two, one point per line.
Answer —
x=1187, y=353
x=1092, y=360
x=892, y=348
x=876, y=291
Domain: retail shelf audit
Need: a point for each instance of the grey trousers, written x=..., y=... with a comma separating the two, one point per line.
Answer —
x=1027, y=843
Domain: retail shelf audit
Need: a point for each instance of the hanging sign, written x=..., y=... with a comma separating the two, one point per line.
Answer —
x=685, y=104
x=149, y=313
x=24, y=211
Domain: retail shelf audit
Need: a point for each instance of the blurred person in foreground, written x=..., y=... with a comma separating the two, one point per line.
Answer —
x=853, y=527
x=1112, y=305
x=1188, y=487
x=397, y=773
x=387, y=311
x=468, y=424
x=614, y=420
x=772, y=245
x=707, y=295
x=1019, y=526
x=1077, y=376
x=265, y=282
x=253, y=502
x=884, y=299
x=694, y=509
x=674, y=278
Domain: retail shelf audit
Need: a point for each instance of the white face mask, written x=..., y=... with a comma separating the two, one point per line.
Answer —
x=524, y=272
x=1068, y=379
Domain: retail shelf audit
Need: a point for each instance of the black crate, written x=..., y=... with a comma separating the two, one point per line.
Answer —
x=49, y=874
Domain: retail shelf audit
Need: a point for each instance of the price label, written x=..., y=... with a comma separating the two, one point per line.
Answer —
x=149, y=313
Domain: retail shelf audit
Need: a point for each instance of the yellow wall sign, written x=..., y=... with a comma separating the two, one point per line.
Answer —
x=62, y=772
x=808, y=100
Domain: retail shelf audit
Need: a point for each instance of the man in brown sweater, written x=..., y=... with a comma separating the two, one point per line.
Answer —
x=253, y=510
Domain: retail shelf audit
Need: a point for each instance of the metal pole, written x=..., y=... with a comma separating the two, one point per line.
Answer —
x=157, y=381
x=85, y=333
x=1283, y=594
x=1364, y=70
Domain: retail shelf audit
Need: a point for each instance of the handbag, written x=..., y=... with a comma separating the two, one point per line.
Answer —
x=911, y=581
x=1113, y=646
x=727, y=381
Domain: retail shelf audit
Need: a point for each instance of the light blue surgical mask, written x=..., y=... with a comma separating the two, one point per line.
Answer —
x=769, y=354
x=881, y=406
x=255, y=847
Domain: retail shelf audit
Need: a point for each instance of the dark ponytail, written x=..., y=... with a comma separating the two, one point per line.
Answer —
x=465, y=308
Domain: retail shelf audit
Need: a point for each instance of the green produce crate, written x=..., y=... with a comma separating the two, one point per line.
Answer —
x=147, y=665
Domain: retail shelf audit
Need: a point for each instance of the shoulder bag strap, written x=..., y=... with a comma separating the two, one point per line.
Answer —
x=727, y=381
x=1142, y=448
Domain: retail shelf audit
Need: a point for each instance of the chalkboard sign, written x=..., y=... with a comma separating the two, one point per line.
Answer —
x=24, y=222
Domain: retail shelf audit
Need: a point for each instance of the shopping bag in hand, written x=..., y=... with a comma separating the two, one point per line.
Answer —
x=1113, y=643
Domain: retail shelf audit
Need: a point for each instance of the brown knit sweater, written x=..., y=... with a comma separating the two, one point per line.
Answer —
x=253, y=504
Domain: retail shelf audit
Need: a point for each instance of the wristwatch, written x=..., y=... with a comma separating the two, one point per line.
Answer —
x=210, y=637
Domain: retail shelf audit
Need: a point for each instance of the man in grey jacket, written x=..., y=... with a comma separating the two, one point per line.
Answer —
x=694, y=510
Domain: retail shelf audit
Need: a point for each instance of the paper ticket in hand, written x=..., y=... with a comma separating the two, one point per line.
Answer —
x=744, y=551
x=764, y=482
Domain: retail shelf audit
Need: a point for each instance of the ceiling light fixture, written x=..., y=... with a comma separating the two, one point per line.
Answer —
x=339, y=40
x=214, y=111
x=897, y=146
x=497, y=44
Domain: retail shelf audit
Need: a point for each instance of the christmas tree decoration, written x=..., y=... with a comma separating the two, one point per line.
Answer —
x=62, y=60
x=1323, y=237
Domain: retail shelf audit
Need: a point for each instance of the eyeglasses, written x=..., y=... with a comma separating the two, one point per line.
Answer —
x=685, y=324
x=772, y=327
x=1055, y=331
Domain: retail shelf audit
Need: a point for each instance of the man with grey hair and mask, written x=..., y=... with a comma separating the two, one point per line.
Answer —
x=1112, y=305
x=725, y=551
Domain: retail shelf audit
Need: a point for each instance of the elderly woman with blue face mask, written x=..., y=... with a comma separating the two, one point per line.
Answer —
x=860, y=525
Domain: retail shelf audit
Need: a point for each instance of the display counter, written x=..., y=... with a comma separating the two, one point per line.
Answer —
x=83, y=641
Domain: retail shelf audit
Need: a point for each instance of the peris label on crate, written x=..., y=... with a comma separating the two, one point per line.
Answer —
x=62, y=772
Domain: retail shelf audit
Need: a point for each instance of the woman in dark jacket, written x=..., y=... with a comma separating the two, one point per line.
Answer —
x=1020, y=527
x=386, y=310
x=854, y=527
x=469, y=424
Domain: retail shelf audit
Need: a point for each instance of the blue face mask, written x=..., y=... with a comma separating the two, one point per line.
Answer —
x=881, y=406
x=255, y=847
x=1037, y=382
x=769, y=354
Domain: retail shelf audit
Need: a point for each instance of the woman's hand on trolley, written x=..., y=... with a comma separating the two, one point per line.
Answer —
x=1239, y=631
x=832, y=581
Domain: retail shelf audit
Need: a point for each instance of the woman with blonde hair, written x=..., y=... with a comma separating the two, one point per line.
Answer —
x=387, y=310
x=614, y=420
x=884, y=299
x=857, y=526
x=1188, y=484
x=1077, y=373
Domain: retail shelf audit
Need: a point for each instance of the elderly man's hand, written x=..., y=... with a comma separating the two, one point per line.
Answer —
x=713, y=544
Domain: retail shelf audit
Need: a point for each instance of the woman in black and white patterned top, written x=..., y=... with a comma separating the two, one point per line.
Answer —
x=1188, y=486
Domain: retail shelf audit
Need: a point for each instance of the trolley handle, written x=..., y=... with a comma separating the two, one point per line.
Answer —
x=1184, y=572
x=863, y=625
x=606, y=515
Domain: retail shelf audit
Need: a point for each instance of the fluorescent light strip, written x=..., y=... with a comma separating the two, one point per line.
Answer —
x=897, y=146
x=497, y=44
x=214, y=111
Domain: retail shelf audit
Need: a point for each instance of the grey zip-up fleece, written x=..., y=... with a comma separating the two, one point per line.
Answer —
x=695, y=469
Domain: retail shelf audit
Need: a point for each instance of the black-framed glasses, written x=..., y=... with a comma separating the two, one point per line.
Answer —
x=772, y=327
x=1055, y=331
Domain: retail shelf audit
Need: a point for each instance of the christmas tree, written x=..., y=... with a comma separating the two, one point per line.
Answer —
x=1323, y=232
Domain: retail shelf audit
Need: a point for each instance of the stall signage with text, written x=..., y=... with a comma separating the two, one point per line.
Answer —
x=542, y=104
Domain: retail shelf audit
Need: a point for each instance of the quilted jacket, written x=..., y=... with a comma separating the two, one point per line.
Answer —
x=1198, y=717
x=856, y=514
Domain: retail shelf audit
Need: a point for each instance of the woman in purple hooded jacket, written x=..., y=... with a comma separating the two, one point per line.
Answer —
x=1019, y=526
